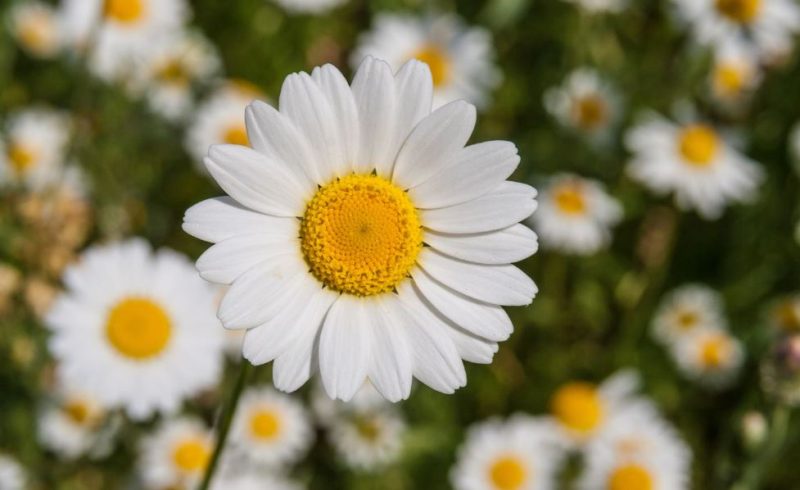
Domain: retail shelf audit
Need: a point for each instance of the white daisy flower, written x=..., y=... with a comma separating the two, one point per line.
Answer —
x=309, y=6
x=327, y=225
x=328, y=412
x=583, y=410
x=521, y=453
x=220, y=119
x=600, y=6
x=271, y=428
x=176, y=454
x=253, y=480
x=585, y=103
x=33, y=152
x=71, y=424
x=35, y=27
x=709, y=356
x=172, y=68
x=575, y=215
x=12, y=474
x=135, y=329
x=767, y=25
x=686, y=309
x=118, y=32
x=368, y=440
x=694, y=162
x=639, y=451
x=461, y=58
x=735, y=74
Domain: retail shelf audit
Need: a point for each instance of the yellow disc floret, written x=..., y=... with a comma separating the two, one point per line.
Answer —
x=124, y=11
x=630, y=477
x=569, y=198
x=741, y=11
x=236, y=135
x=437, y=60
x=21, y=158
x=699, y=145
x=191, y=455
x=138, y=328
x=715, y=351
x=578, y=407
x=508, y=473
x=361, y=235
x=265, y=424
x=590, y=112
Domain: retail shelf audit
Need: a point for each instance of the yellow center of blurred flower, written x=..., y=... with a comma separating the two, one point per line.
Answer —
x=236, y=135
x=138, y=328
x=265, y=424
x=590, y=112
x=36, y=33
x=715, y=351
x=508, y=473
x=729, y=78
x=368, y=428
x=174, y=72
x=687, y=319
x=630, y=477
x=437, y=60
x=578, y=406
x=787, y=315
x=125, y=11
x=361, y=235
x=698, y=144
x=741, y=11
x=191, y=455
x=245, y=88
x=78, y=411
x=21, y=158
x=569, y=198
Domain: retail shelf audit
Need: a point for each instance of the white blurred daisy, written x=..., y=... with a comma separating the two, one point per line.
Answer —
x=368, y=440
x=461, y=58
x=521, y=453
x=638, y=452
x=326, y=224
x=583, y=410
x=220, y=119
x=136, y=329
x=686, y=309
x=768, y=25
x=175, y=455
x=600, y=6
x=35, y=27
x=34, y=149
x=171, y=70
x=694, y=162
x=70, y=425
x=118, y=32
x=12, y=474
x=270, y=428
x=252, y=479
x=327, y=411
x=711, y=357
x=585, y=103
x=735, y=74
x=575, y=215
x=309, y=6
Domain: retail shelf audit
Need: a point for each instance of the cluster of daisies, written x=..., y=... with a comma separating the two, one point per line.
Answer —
x=621, y=440
x=692, y=325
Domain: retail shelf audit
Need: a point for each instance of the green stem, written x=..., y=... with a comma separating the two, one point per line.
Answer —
x=755, y=471
x=224, y=424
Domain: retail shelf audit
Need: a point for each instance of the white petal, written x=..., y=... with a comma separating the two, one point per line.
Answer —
x=274, y=135
x=496, y=284
x=344, y=348
x=302, y=100
x=220, y=218
x=264, y=342
x=508, y=204
x=391, y=365
x=476, y=170
x=484, y=320
x=414, y=97
x=471, y=348
x=295, y=365
x=340, y=96
x=255, y=181
x=374, y=92
x=434, y=143
x=505, y=246
x=224, y=262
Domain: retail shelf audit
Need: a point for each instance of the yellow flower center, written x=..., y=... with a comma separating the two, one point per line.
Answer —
x=361, y=235
x=36, y=33
x=569, y=198
x=236, y=135
x=729, y=78
x=787, y=315
x=715, y=351
x=437, y=60
x=21, y=158
x=687, y=320
x=124, y=11
x=78, y=411
x=630, y=477
x=191, y=455
x=138, y=328
x=698, y=144
x=265, y=424
x=368, y=428
x=174, y=72
x=590, y=112
x=578, y=406
x=508, y=473
x=741, y=11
